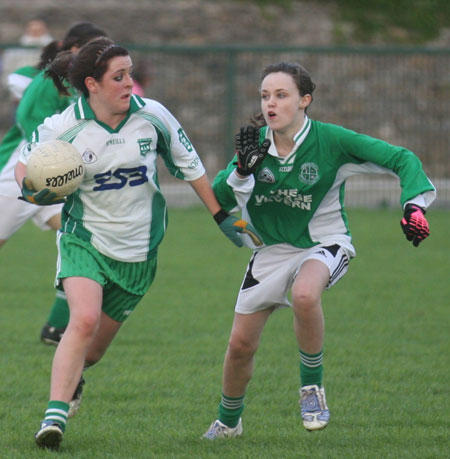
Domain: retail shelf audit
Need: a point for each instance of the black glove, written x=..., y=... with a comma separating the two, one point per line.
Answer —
x=250, y=154
x=414, y=224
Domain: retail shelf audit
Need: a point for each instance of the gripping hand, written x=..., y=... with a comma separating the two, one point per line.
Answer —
x=414, y=224
x=44, y=197
x=231, y=226
x=250, y=154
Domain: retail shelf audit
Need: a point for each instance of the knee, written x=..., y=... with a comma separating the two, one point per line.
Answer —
x=86, y=324
x=305, y=300
x=240, y=349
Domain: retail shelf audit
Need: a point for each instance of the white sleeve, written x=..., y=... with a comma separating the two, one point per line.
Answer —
x=422, y=200
x=242, y=188
x=183, y=155
x=17, y=84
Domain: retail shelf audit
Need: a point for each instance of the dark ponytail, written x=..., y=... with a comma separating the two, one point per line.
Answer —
x=48, y=53
x=58, y=71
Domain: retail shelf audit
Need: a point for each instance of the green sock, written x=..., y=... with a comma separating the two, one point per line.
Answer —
x=57, y=412
x=230, y=410
x=311, y=368
x=59, y=314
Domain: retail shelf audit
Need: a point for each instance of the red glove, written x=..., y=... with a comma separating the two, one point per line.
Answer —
x=414, y=224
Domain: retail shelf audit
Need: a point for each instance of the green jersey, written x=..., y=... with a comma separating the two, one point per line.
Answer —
x=41, y=99
x=119, y=207
x=299, y=199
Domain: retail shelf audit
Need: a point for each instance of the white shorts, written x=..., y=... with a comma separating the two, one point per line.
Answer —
x=272, y=271
x=13, y=212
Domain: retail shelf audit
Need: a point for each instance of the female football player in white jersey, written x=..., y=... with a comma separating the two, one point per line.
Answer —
x=288, y=181
x=113, y=224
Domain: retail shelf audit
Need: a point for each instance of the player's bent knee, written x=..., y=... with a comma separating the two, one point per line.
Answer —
x=305, y=301
x=240, y=349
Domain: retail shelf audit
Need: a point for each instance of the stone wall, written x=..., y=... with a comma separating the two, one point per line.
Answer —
x=177, y=21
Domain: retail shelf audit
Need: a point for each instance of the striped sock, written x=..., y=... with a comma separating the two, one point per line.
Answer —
x=57, y=412
x=230, y=410
x=311, y=368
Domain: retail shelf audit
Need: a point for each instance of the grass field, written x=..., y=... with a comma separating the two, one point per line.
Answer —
x=157, y=389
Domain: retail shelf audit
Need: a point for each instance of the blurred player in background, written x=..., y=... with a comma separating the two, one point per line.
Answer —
x=39, y=100
x=288, y=182
x=113, y=224
x=18, y=63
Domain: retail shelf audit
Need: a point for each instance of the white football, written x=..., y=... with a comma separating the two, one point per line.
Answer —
x=56, y=165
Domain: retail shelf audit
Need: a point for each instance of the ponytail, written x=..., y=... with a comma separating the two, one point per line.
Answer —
x=48, y=53
x=58, y=71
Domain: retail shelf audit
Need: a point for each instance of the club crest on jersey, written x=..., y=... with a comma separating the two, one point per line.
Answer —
x=89, y=156
x=144, y=146
x=266, y=176
x=183, y=138
x=309, y=173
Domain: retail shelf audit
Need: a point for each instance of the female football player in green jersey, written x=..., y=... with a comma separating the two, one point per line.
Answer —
x=41, y=99
x=288, y=182
x=113, y=224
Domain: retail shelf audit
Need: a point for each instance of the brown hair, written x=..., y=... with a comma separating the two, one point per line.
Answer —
x=92, y=60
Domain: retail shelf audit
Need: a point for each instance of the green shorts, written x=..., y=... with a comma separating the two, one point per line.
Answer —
x=124, y=284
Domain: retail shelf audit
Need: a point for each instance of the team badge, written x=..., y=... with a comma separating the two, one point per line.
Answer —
x=144, y=146
x=266, y=176
x=183, y=138
x=309, y=173
x=89, y=156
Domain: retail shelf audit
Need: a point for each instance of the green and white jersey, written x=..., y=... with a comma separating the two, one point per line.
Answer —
x=19, y=80
x=299, y=199
x=40, y=99
x=119, y=207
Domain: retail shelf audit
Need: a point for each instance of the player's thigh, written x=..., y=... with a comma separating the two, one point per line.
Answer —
x=268, y=279
x=84, y=296
x=321, y=268
x=311, y=280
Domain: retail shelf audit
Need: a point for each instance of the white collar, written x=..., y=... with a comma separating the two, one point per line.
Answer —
x=298, y=139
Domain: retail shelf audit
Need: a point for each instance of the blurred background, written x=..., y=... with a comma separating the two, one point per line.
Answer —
x=382, y=68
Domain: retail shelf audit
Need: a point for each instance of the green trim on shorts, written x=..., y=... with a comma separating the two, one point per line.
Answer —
x=124, y=284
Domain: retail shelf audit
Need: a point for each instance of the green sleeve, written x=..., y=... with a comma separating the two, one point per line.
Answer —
x=403, y=162
x=40, y=100
x=224, y=193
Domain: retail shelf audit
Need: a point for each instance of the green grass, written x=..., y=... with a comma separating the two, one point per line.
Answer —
x=157, y=389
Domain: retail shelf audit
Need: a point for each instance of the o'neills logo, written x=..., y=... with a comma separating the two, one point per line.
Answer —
x=60, y=180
